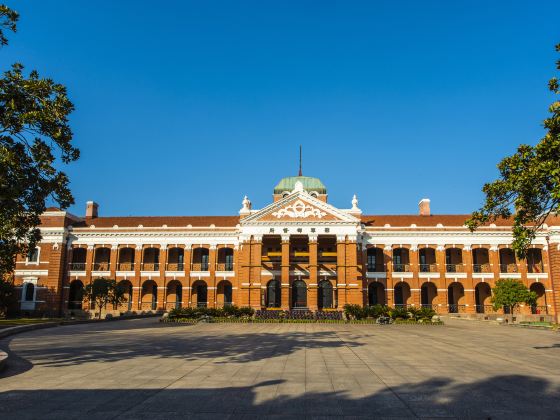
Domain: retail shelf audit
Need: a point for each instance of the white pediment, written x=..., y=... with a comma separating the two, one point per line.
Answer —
x=299, y=207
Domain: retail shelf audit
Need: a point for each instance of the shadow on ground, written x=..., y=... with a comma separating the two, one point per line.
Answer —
x=502, y=397
x=74, y=347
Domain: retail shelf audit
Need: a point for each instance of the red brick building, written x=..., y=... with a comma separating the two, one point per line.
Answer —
x=297, y=252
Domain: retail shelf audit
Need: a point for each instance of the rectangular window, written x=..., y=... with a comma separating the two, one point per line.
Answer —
x=33, y=256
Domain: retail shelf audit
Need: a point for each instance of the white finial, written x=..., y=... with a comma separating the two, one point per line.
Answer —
x=298, y=187
x=246, y=206
x=355, y=202
x=355, y=209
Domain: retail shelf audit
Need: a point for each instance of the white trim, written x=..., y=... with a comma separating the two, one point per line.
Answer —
x=537, y=275
x=27, y=262
x=225, y=273
x=510, y=275
x=200, y=274
x=125, y=273
x=376, y=275
x=149, y=273
x=428, y=275
x=100, y=273
x=175, y=273
x=402, y=275
x=76, y=273
x=455, y=275
x=31, y=272
x=483, y=275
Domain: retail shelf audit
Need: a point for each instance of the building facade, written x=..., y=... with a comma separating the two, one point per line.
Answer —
x=297, y=252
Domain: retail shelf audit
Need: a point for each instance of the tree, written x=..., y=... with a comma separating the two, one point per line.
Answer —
x=35, y=137
x=7, y=295
x=508, y=293
x=529, y=183
x=104, y=291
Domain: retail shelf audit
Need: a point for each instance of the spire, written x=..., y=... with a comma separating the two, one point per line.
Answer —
x=300, y=173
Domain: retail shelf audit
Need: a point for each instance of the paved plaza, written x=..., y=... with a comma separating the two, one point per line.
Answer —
x=140, y=369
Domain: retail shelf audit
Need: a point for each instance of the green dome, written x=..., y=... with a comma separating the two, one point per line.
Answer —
x=309, y=184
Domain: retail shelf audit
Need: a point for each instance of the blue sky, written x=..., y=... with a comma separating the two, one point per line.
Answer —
x=184, y=107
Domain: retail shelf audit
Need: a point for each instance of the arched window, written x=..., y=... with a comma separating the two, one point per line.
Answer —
x=273, y=294
x=428, y=293
x=228, y=293
x=481, y=260
x=126, y=259
x=325, y=296
x=401, y=260
x=175, y=259
x=225, y=259
x=402, y=294
x=376, y=294
x=299, y=294
x=427, y=260
x=29, y=292
x=200, y=259
x=200, y=293
x=482, y=295
x=78, y=259
x=76, y=295
x=535, y=261
x=375, y=260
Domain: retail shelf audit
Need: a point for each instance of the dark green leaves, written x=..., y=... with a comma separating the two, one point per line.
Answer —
x=8, y=21
x=35, y=139
x=509, y=293
x=529, y=185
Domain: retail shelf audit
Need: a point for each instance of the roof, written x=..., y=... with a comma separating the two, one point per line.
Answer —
x=159, y=221
x=447, y=220
x=405, y=220
x=309, y=184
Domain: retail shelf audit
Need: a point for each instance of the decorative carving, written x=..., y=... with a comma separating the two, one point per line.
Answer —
x=299, y=210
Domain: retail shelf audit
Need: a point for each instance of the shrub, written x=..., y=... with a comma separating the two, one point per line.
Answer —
x=225, y=312
x=246, y=311
x=398, y=312
x=426, y=313
x=375, y=311
x=353, y=311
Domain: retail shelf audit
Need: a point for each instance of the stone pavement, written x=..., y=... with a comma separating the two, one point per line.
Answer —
x=143, y=369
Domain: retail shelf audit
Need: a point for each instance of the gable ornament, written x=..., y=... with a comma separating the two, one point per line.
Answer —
x=299, y=210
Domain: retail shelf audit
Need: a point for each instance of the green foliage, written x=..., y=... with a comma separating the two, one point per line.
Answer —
x=529, y=184
x=399, y=312
x=225, y=312
x=355, y=311
x=103, y=292
x=8, y=21
x=35, y=137
x=7, y=294
x=375, y=311
x=508, y=293
x=422, y=313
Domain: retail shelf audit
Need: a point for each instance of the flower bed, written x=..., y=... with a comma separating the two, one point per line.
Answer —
x=397, y=314
x=355, y=314
x=197, y=313
x=266, y=314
